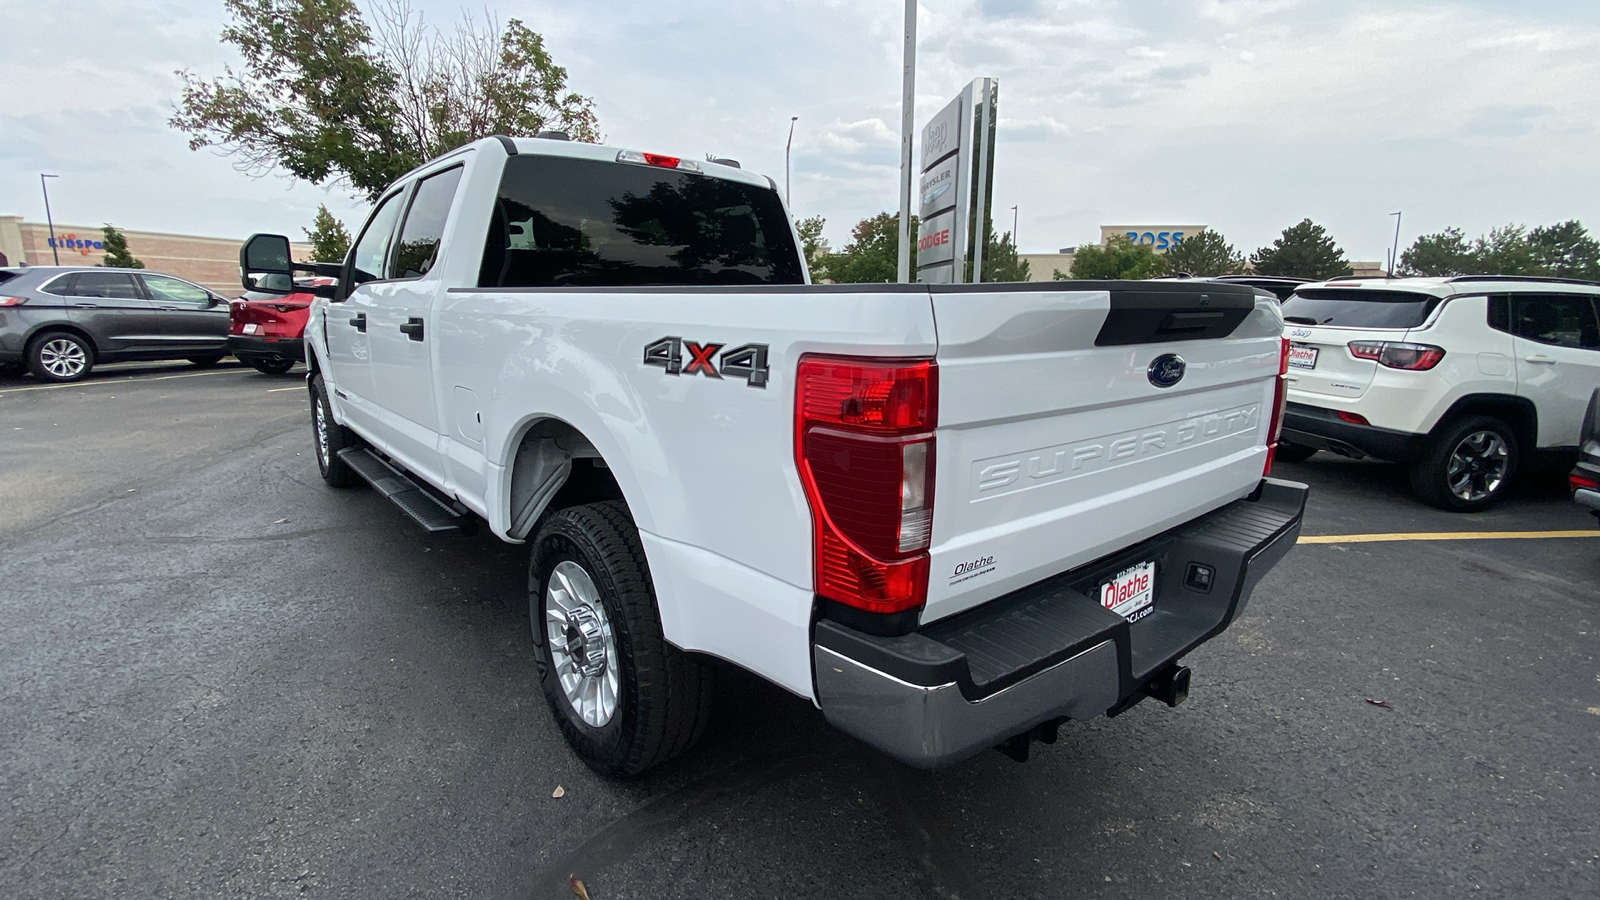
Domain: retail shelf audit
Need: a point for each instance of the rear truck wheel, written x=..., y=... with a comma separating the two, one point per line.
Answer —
x=60, y=356
x=272, y=366
x=208, y=360
x=1467, y=466
x=330, y=437
x=624, y=698
x=1293, y=453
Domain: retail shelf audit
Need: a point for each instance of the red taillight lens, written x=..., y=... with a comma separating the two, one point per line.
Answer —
x=12, y=301
x=665, y=162
x=1398, y=354
x=1580, y=483
x=1353, y=418
x=1280, y=398
x=864, y=447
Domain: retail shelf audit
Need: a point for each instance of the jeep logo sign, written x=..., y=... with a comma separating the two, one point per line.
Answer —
x=1166, y=370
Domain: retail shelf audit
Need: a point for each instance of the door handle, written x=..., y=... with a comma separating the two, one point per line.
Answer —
x=1541, y=360
x=86, y=305
x=359, y=322
x=412, y=328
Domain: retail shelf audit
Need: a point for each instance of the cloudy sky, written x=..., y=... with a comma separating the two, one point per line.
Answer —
x=1245, y=115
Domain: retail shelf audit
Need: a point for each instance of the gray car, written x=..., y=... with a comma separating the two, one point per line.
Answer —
x=61, y=321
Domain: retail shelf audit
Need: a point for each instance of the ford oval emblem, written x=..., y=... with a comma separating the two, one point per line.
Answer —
x=1166, y=370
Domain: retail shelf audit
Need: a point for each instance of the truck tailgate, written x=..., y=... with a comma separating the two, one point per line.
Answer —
x=1056, y=446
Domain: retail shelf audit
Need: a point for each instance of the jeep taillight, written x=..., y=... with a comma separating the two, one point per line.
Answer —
x=1280, y=397
x=864, y=447
x=1398, y=354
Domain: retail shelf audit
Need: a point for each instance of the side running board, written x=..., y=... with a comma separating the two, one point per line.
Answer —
x=432, y=513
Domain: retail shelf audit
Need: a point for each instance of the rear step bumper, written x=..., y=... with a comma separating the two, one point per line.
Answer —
x=1050, y=651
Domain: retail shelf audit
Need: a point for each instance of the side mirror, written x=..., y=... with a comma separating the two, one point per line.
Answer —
x=264, y=264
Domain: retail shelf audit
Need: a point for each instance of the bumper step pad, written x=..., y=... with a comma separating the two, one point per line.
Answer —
x=432, y=513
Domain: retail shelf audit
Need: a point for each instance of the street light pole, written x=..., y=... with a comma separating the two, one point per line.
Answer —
x=908, y=124
x=54, y=253
x=786, y=145
x=1014, y=228
x=1394, y=254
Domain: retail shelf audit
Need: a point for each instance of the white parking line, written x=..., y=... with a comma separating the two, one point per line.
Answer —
x=114, y=381
x=1443, y=536
x=298, y=387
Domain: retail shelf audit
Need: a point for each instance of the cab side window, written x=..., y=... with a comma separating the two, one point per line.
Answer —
x=418, y=247
x=170, y=290
x=367, y=258
x=1560, y=320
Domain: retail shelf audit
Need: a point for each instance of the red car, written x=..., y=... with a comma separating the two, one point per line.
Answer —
x=267, y=328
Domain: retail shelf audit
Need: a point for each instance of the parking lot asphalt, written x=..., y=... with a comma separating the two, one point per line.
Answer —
x=221, y=678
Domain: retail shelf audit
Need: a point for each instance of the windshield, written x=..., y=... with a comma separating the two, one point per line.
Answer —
x=1358, y=308
x=561, y=221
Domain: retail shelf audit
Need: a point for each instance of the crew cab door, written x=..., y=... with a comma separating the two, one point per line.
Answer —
x=402, y=333
x=348, y=324
x=1556, y=340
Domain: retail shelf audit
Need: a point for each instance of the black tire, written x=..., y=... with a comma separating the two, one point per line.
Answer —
x=329, y=437
x=1293, y=453
x=60, y=356
x=271, y=366
x=208, y=360
x=1468, y=465
x=663, y=695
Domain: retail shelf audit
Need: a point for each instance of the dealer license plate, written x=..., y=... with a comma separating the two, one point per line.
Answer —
x=1302, y=356
x=1132, y=593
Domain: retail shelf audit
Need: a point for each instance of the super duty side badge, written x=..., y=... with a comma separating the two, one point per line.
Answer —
x=747, y=361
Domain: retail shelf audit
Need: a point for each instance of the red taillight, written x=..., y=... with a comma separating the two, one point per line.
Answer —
x=1280, y=398
x=1398, y=354
x=864, y=447
x=665, y=162
x=1353, y=418
x=1580, y=483
x=12, y=301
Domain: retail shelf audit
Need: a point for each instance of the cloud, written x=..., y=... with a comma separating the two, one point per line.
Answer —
x=1506, y=121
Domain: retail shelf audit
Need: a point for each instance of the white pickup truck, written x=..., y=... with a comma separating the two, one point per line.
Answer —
x=951, y=516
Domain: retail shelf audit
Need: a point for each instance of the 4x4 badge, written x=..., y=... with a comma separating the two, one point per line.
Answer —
x=1166, y=370
x=747, y=361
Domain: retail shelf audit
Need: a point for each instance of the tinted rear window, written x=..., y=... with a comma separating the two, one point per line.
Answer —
x=562, y=221
x=7, y=276
x=1359, y=308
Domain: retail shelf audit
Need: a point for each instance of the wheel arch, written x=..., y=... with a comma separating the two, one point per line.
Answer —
x=39, y=331
x=552, y=465
x=1517, y=412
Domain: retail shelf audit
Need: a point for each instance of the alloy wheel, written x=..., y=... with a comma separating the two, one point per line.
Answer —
x=582, y=646
x=63, y=358
x=1478, y=466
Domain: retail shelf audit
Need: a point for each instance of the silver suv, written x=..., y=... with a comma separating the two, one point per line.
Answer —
x=59, y=321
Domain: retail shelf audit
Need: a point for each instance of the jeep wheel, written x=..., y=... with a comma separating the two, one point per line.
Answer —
x=1468, y=466
x=329, y=438
x=624, y=698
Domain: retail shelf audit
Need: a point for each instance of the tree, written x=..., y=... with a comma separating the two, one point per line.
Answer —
x=812, y=243
x=116, y=246
x=329, y=240
x=873, y=254
x=1505, y=251
x=325, y=97
x=1206, y=253
x=1304, y=251
x=1119, y=258
x=1000, y=261
x=1442, y=254
x=1566, y=250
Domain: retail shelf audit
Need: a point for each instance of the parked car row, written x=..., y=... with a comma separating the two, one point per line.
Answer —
x=59, y=322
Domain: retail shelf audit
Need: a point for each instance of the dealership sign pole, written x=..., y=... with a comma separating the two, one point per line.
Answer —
x=908, y=127
x=957, y=176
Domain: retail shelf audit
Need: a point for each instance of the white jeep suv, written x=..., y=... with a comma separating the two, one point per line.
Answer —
x=1459, y=378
